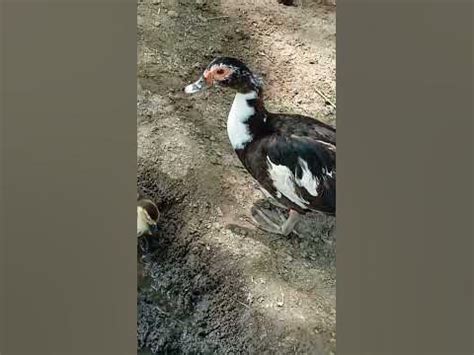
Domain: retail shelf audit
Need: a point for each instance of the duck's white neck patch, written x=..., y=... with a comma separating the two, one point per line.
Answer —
x=237, y=121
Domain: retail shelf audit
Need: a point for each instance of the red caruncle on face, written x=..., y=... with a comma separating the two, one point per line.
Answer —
x=217, y=73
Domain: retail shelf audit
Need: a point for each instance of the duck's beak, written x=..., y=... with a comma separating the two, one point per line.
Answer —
x=197, y=86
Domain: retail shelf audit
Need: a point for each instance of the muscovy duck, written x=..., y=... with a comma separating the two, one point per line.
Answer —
x=292, y=156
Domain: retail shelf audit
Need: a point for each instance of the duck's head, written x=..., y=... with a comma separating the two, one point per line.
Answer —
x=147, y=218
x=226, y=72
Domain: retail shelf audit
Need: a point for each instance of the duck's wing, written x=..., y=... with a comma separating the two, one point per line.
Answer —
x=303, y=171
x=303, y=126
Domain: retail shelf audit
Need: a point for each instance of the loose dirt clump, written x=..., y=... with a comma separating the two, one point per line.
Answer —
x=213, y=283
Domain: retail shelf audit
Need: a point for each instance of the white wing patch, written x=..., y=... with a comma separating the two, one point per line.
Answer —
x=237, y=127
x=283, y=180
x=329, y=173
x=308, y=180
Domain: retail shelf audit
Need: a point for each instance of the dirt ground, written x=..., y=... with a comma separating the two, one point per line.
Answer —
x=215, y=284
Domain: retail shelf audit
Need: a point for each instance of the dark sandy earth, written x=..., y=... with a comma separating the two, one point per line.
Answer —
x=213, y=283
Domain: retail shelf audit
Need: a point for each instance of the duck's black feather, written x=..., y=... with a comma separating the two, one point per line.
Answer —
x=302, y=126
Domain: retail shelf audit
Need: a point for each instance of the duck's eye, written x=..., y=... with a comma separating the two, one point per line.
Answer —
x=220, y=71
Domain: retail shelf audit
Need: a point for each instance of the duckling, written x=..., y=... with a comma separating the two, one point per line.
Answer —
x=147, y=217
x=293, y=157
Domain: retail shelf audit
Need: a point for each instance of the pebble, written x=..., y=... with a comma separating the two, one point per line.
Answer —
x=169, y=108
x=172, y=14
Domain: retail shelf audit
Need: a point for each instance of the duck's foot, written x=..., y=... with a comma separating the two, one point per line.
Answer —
x=271, y=200
x=273, y=222
x=269, y=221
x=275, y=203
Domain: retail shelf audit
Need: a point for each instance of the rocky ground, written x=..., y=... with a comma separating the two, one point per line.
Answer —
x=215, y=284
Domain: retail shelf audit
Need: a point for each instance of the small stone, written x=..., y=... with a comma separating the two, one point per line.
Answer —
x=279, y=304
x=169, y=108
x=172, y=14
x=200, y=2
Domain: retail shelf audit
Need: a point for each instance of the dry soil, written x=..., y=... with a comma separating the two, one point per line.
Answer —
x=213, y=283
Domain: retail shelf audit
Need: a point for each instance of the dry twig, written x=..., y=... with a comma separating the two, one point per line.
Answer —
x=217, y=18
x=320, y=93
x=243, y=304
